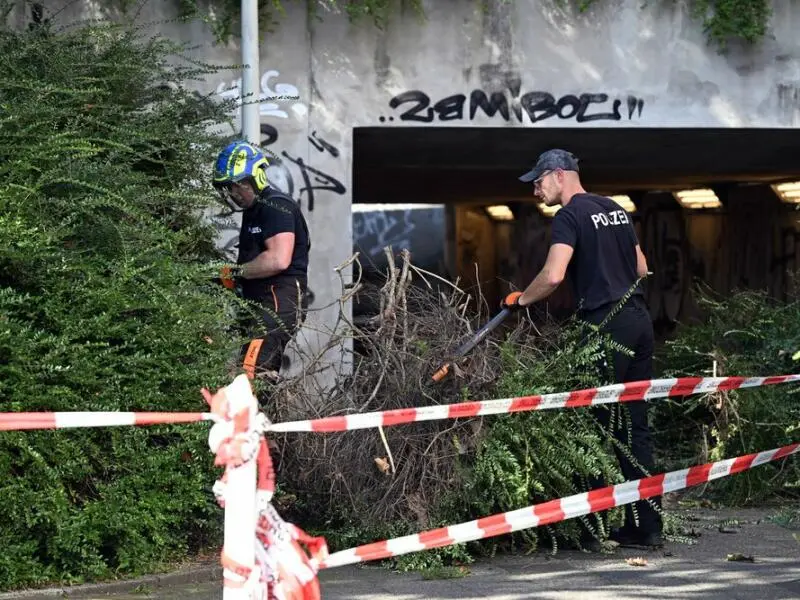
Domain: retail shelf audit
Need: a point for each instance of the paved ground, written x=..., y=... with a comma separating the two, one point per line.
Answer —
x=697, y=571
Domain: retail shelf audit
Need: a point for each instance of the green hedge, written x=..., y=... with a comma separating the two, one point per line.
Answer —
x=747, y=334
x=105, y=302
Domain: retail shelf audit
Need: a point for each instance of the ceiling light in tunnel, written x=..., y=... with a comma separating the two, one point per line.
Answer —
x=370, y=207
x=500, y=212
x=788, y=192
x=625, y=202
x=699, y=198
x=548, y=211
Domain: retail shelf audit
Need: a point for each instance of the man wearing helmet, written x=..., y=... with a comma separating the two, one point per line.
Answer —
x=272, y=264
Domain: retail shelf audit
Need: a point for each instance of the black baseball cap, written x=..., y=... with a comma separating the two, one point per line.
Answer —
x=549, y=161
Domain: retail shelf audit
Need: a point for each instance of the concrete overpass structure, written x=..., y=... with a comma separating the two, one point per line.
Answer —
x=452, y=109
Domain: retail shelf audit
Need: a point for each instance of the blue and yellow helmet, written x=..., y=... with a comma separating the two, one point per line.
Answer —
x=239, y=161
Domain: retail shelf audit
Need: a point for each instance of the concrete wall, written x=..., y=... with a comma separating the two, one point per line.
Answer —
x=526, y=63
x=618, y=62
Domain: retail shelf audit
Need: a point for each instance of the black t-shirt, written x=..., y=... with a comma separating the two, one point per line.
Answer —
x=603, y=266
x=271, y=214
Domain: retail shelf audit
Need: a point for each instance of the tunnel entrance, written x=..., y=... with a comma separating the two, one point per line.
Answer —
x=751, y=240
x=457, y=164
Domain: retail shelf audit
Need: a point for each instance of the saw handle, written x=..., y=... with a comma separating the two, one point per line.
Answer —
x=472, y=342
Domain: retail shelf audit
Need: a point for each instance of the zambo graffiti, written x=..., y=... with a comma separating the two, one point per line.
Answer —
x=537, y=106
x=501, y=93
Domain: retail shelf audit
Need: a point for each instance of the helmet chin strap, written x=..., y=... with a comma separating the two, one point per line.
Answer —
x=234, y=207
x=229, y=201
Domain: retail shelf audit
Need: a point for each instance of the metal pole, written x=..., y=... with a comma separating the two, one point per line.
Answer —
x=251, y=84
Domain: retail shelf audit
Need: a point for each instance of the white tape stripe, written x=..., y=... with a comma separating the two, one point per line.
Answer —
x=297, y=426
x=625, y=493
x=431, y=413
x=492, y=408
x=675, y=480
x=574, y=506
x=341, y=558
x=764, y=457
x=404, y=545
x=522, y=515
x=368, y=420
x=660, y=388
x=94, y=419
x=554, y=400
x=465, y=531
x=721, y=469
x=610, y=391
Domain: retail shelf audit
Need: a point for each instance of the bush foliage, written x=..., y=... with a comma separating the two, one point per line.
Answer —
x=746, y=334
x=103, y=301
x=534, y=457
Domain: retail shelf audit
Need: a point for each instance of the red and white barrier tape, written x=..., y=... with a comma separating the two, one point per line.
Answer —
x=556, y=510
x=66, y=420
x=618, y=392
x=237, y=437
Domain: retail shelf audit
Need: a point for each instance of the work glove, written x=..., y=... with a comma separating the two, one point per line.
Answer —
x=230, y=278
x=511, y=301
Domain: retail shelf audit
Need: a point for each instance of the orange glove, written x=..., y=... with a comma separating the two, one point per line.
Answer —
x=226, y=274
x=511, y=301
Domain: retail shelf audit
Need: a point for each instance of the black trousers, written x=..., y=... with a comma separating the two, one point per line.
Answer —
x=279, y=322
x=631, y=327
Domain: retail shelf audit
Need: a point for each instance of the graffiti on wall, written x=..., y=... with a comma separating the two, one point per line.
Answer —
x=268, y=98
x=313, y=178
x=744, y=248
x=664, y=242
x=374, y=230
x=420, y=230
x=787, y=257
x=502, y=95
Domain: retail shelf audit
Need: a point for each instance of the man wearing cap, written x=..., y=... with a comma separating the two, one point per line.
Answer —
x=594, y=242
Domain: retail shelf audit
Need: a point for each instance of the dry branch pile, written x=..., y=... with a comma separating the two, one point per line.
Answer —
x=398, y=473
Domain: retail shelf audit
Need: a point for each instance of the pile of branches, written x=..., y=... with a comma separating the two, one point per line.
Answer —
x=367, y=484
x=400, y=473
